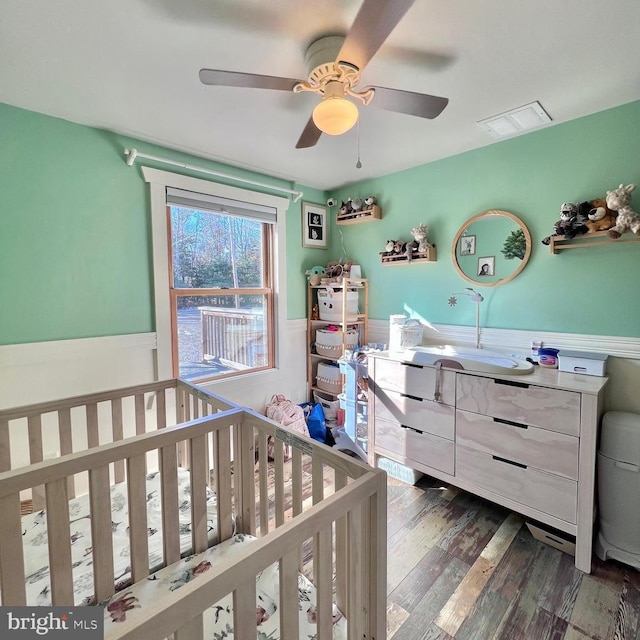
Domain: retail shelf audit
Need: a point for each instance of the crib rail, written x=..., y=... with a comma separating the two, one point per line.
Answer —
x=31, y=434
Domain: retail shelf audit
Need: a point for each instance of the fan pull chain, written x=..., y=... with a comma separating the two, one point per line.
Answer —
x=358, y=163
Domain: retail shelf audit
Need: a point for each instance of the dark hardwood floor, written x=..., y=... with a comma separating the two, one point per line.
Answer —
x=463, y=568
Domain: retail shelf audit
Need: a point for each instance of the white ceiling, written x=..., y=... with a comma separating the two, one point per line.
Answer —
x=131, y=66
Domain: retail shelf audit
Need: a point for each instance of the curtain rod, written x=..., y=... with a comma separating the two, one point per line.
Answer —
x=132, y=154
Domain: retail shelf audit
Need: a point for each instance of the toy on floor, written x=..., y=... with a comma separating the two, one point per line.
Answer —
x=628, y=220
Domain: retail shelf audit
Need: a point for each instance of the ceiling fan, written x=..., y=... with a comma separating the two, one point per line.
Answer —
x=336, y=64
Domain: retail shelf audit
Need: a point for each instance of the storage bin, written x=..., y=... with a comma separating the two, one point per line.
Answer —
x=619, y=488
x=591, y=364
x=553, y=538
x=330, y=305
x=329, y=343
x=328, y=378
x=329, y=405
x=399, y=471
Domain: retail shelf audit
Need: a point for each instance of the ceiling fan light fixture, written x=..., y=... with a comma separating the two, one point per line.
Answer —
x=335, y=116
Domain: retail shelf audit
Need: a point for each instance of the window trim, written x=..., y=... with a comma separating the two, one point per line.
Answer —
x=159, y=181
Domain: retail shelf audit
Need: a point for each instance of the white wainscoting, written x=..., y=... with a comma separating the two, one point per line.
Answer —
x=623, y=365
x=43, y=371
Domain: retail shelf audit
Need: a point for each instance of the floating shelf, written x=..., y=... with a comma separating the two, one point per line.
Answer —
x=354, y=217
x=558, y=243
x=423, y=256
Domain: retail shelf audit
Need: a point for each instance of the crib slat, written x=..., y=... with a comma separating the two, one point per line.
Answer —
x=118, y=434
x=192, y=630
x=141, y=416
x=161, y=409
x=244, y=610
x=137, y=497
x=170, y=520
x=59, y=534
x=263, y=482
x=342, y=550
x=66, y=444
x=278, y=463
x=5, y=446
x=355, y=602
x=101, y=532
x=317, y=493
x=247, y=486
x=93, y=435
x=289, y=619
x=34, y=426
x=198, y=495
x=222, y=469
x=322, y=575
x=296, y=491
x=12, y=586
x=377, y=582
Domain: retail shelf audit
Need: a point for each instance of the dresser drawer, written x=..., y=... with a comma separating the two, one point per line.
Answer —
x=415, y=445
x=552, y=409
x=425, y=415
x=540, y=448
x=546, y=492
x=413, y=380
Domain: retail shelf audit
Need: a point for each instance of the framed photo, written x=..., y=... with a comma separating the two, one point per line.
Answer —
x=314, y=226
x=486, y=266
x=468, y=246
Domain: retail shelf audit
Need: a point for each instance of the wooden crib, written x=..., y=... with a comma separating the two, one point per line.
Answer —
x=170, y=426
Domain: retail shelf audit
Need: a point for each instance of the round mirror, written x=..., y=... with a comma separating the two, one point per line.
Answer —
x=491, y=248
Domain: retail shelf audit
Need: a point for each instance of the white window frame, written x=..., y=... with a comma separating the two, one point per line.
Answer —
x=158, y=182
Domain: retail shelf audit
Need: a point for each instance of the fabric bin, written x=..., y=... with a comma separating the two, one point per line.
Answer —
x=329, y=343
x=328, y=404
x=330, y=305
x=329, y=378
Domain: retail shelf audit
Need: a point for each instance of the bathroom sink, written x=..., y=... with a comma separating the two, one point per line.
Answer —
x=468, y=359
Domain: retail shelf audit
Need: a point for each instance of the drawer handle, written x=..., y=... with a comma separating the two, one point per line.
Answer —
x=406, y=395
x=511, y=423
x=411, y=364
x=404, y=426
x=512, y=383
x=515, y=464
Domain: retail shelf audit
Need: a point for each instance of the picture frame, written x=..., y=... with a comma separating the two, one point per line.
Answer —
x=486, y=266
x=467, y=245
x=314, y=226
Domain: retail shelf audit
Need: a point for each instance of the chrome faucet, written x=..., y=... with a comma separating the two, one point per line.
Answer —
x=476, y=298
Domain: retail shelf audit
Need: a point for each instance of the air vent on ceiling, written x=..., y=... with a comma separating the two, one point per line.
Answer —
x=525, y=118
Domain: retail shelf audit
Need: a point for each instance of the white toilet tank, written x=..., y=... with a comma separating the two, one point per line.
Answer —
x=619, y=488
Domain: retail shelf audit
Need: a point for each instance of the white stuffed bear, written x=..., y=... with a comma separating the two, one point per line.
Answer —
x=620, y=200
x=419, y=234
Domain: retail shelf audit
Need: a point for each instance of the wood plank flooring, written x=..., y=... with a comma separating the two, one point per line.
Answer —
x=463, y=568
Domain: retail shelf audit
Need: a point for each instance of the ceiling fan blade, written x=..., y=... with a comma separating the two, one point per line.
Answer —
x=310, y=136
x=372, y=26
x=249, y=80
x=409, y=102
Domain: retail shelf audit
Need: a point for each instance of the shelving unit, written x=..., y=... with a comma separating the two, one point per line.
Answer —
x=364, y=215
x=320, y=316
x=599, y=238
x=425, y=256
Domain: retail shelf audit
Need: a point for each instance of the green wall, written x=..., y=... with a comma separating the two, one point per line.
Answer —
x=592, y=291
x=75, y=248
x=75, y=244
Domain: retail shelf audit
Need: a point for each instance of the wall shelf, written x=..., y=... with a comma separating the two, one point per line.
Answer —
x=558, y=243
x=402, y=258
x=354, y=217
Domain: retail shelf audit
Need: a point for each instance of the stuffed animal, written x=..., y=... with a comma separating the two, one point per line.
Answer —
x=419, y=234
x=370, y=201
x=345, y=207
x=568, y=225
x=620, y=200
x=356, y=205
x=314, y=274
x=597, y=216
x=389, y=248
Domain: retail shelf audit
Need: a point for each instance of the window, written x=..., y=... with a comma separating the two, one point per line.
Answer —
x=220, y=285
x=218, y=276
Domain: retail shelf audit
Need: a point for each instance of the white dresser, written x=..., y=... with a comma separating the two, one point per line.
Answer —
x=527, y=442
